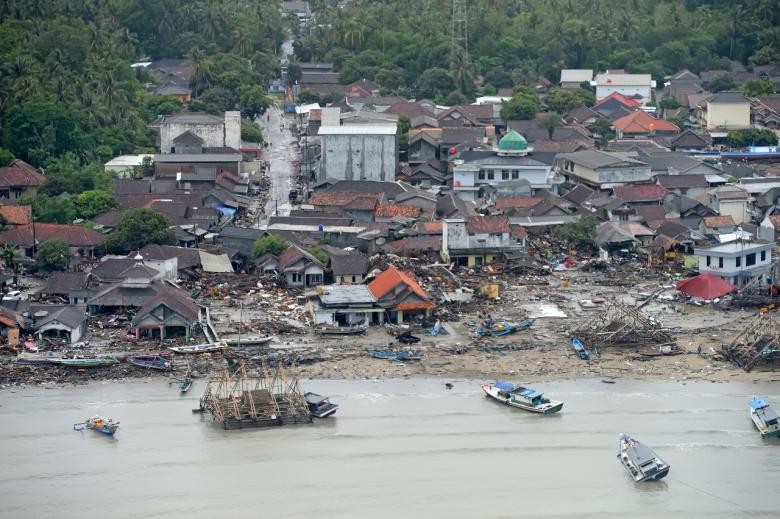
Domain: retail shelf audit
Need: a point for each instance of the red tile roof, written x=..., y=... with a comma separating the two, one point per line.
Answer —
x=430, y=227
x=292, y=254
x=519, y=232
x=390, y=210
x=718, y=221
x=346, y=198
x=20, y=174
x=417, y=244
x=390, y=279
x=640, y=193
x=642, y=122
x=17, y=214
x=517, y=201
x=618, y=97
x=73, y=235
x=488, y=224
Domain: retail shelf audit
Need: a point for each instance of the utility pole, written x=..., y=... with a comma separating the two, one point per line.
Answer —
x=460, y=36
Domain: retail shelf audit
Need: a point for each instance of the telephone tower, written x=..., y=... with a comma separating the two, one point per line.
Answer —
x=460, y=37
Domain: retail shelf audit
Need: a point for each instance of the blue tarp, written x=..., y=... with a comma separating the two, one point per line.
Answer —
x=758, y=403
x=504, y=386
x=226, y=211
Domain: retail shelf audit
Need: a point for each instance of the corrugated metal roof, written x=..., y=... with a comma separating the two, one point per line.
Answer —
x=359, y=129
x=215, y=262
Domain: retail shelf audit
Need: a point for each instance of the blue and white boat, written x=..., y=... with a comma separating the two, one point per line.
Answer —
x=523, y=397
x=578, y=347
x=320, y=406
x=98, y=424
x=640, y=461
x=765, y=418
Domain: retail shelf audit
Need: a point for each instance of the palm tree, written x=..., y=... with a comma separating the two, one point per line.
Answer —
x=460, y=68
x=550, y=122
x=8, y=253
x=353, y=33
x=200, y=65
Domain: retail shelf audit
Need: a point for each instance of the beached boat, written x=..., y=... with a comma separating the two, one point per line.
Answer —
x=185, y=384
x=247, y=341
x=591, y=304
x=765, y=418
x=340, y=330
x=37, y=358
x=499, y=329
x=660, y=351
x=84, y=363
x=400, y=355
x=579, y=348
x=158, y=362
x=320, y=406
x=522, y=397
x=98, y=424
x=640, y=461
x=198, y=348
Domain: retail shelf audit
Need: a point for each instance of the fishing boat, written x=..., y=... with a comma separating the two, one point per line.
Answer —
x=84, y=363
x=400, y=355
x=340, y=330
x=158, y=362
x=185, y=384
x=247, y=341
x=579, y=348
x=640, y=461
x=499, y=329
x=382, y=354
x=37, y=358
x=522, y=397
x=765, y=418
x=320, y=406
x=98, y=424
x=661, y=351
x=198, y=348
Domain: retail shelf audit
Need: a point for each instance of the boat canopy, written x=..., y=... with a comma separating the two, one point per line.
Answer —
x=504, y=386
x=758, y=403
x=530, y=393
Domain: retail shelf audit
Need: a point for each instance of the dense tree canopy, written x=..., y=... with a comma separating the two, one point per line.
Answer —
x=515, y=41
x=53, y=255
x=140, y=227
x=269, y=245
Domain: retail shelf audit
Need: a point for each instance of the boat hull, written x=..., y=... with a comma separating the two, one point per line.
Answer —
x=552, y=408
x=640, y=462
x=762, y=428
x=189, y=350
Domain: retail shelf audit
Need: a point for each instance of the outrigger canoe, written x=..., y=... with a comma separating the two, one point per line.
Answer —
x=199, y=348
x=502, y=328
x=158, y=362
x=84, y=363
x=578, y=347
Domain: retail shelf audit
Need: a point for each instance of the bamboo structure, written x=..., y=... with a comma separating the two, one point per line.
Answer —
x=758, y=342
x=243, y=399
x=622, y=325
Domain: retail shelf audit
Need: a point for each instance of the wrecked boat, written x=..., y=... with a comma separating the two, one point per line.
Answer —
x=640, y=461
x=521, y=397
x=579, y=348
x=198, y=348
x=659, y=351
x=764, y=418
x=98, y=424
x=340, y=330
x=158, y=362
x=320, y=406
x=499, y=329
x=84, y=363
x=400, y=355
x=248, y=341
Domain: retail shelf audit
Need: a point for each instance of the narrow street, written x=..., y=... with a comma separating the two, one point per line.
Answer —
x=281, y=155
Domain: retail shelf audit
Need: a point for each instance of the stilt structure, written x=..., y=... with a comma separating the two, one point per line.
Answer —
x=758, y=343
x=262, y=399
x=622, y=325
x=460, y=34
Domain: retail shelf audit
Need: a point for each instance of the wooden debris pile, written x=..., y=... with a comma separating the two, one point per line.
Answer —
x=622, y=325
x=758, y=343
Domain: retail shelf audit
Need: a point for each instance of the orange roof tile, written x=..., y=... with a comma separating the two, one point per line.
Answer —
x=390, y=210
x=718, y=221
x=517, y=202
x=618, y=97
x=642, y=122
x=391, y=278
x=430, y=227
x=17, y=214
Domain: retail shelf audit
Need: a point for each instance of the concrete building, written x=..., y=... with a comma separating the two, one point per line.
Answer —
x=737, y=262
x=727, y=111
x=479, y=173
x=359, y=152
x=477, y=241
x=601, y=170
x=124, y=166
x=344, y=305
x=730, y=201
x=213, y=131
x=634, y=86
x=574, y=77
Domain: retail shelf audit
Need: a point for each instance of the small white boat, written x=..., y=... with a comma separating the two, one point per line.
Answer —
x=640, y=461
x=198, y=348
x=247, y=341
x=522, y=397
x=320, y=406
x=765, y=418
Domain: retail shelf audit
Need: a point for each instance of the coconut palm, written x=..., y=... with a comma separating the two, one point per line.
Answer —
x=201, y=77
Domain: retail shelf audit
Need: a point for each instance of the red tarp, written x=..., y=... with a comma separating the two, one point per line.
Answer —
x=705, y=286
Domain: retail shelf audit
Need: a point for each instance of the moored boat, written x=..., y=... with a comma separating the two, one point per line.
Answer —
x=185, y=384
x=84, y=363
x=340, y=330
x=521, y=397
x=37, y=358
x=640, y=461
x=660, y=351
x=764, y=418
x=320, y=406
x=98, y=424
x=158, y=362
x=579, y=348
x=247, y=341
x=198, y=348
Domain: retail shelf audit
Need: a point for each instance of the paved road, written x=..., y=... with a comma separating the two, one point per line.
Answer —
x=281, y=155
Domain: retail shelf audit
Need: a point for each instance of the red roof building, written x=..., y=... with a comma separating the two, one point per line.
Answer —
x=640, y=193
x=488, y=225
x=87, y=241
x=399, y=292
x=16, y=214
x=391, y=210
x=18, y=180
x=641, y=124
x=630, y=103
x=705, y=286
x=517, y=201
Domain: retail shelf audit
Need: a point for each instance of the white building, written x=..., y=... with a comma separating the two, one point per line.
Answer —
x=737, y=262
x=125, y=165
x=215, y=132
x=359, y=152
x=634, y=86
x=574, y=77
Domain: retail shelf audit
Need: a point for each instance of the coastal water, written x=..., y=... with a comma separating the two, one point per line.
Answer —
x=396, y=448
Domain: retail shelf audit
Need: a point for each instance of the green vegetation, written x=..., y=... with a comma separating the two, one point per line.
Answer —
x=744, y=138
x=562, y=100
x=94, y=202
x=523, y=105
x=250, y=132
x=320, y=254
x=3, y=223
x=580, y=232
x=139, y=227
x=269, y=245
x=53, y=255
x=8, y=253
x=406, y=46
x=757, y=87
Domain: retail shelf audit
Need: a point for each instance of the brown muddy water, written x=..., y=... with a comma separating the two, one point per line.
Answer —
x=396, y=448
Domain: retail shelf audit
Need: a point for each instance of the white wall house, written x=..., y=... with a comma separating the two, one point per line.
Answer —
x=737, y=262
x=214, y=131
x=633, y=86
x=359, y=152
